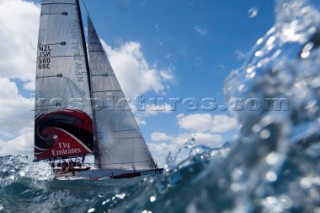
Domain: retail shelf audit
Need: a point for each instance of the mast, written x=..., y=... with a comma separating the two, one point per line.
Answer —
x=84, y=44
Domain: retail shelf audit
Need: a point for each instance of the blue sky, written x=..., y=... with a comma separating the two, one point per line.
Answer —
x=188, y=47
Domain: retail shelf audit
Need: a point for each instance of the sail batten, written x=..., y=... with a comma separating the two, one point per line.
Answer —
x=63, y=3
x=63, y=117
x=62, y=56
x=119, y=144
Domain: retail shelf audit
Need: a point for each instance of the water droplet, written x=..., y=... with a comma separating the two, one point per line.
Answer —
x=272, y=158
x=306, y=50
x=315, y=83
x=251, y=75
x=235, y=187
x=241, y=87
x=236, y=174
x=264, y=134
x=152, y=198
x=253, y=12
x=309, y=181
x=271, y=40
x=271, y=176
x=121, y=196
x=250, y=69
x=256, y=128
x=258, y=53
x=260, y=40
x=91, y=210
x=105, y=202
x=289, y=32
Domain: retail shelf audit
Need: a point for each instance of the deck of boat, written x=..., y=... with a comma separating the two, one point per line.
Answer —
x=99, y=174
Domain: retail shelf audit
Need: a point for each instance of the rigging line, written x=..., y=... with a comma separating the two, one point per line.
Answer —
x=84, y=44
x=44, y=110
x=50, y=76
x=126, y=138
x=85, y=7
x=58, y=3
x=101, y=75
x=54, y=107
x=126, y=130
x=96, y=51
x=63, y=43
x=61, y=56
x=47, y=14
x=110, y=90
x=47, y=105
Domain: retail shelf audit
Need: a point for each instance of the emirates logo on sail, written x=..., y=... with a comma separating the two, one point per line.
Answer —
x=62, y=134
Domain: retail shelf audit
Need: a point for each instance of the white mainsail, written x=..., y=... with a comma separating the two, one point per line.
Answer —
x=63, y=123
x=119, y=143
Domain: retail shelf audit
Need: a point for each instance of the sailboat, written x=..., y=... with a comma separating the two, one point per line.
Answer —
x=80, y=107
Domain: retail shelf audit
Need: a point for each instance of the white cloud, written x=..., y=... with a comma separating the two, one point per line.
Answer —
x=160, y=136
x=16, y=110
x=140, y=121
x=212, y=140
x=200, y=30
x=19, y=21
x=223, y=123
x=16, y=120
x=167, y=75
x=22, y=144
x=18, y=34
x=146, y=110
x=207, y=123
x=152, y=109
x=134, y=73
x=198, y=122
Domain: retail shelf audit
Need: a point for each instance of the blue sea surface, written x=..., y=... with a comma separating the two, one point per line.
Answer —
x=272, y=167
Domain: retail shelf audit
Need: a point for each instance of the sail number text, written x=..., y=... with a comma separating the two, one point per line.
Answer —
x=44, y=60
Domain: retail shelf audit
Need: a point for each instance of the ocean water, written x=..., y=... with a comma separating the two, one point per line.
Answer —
x=272, y=167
